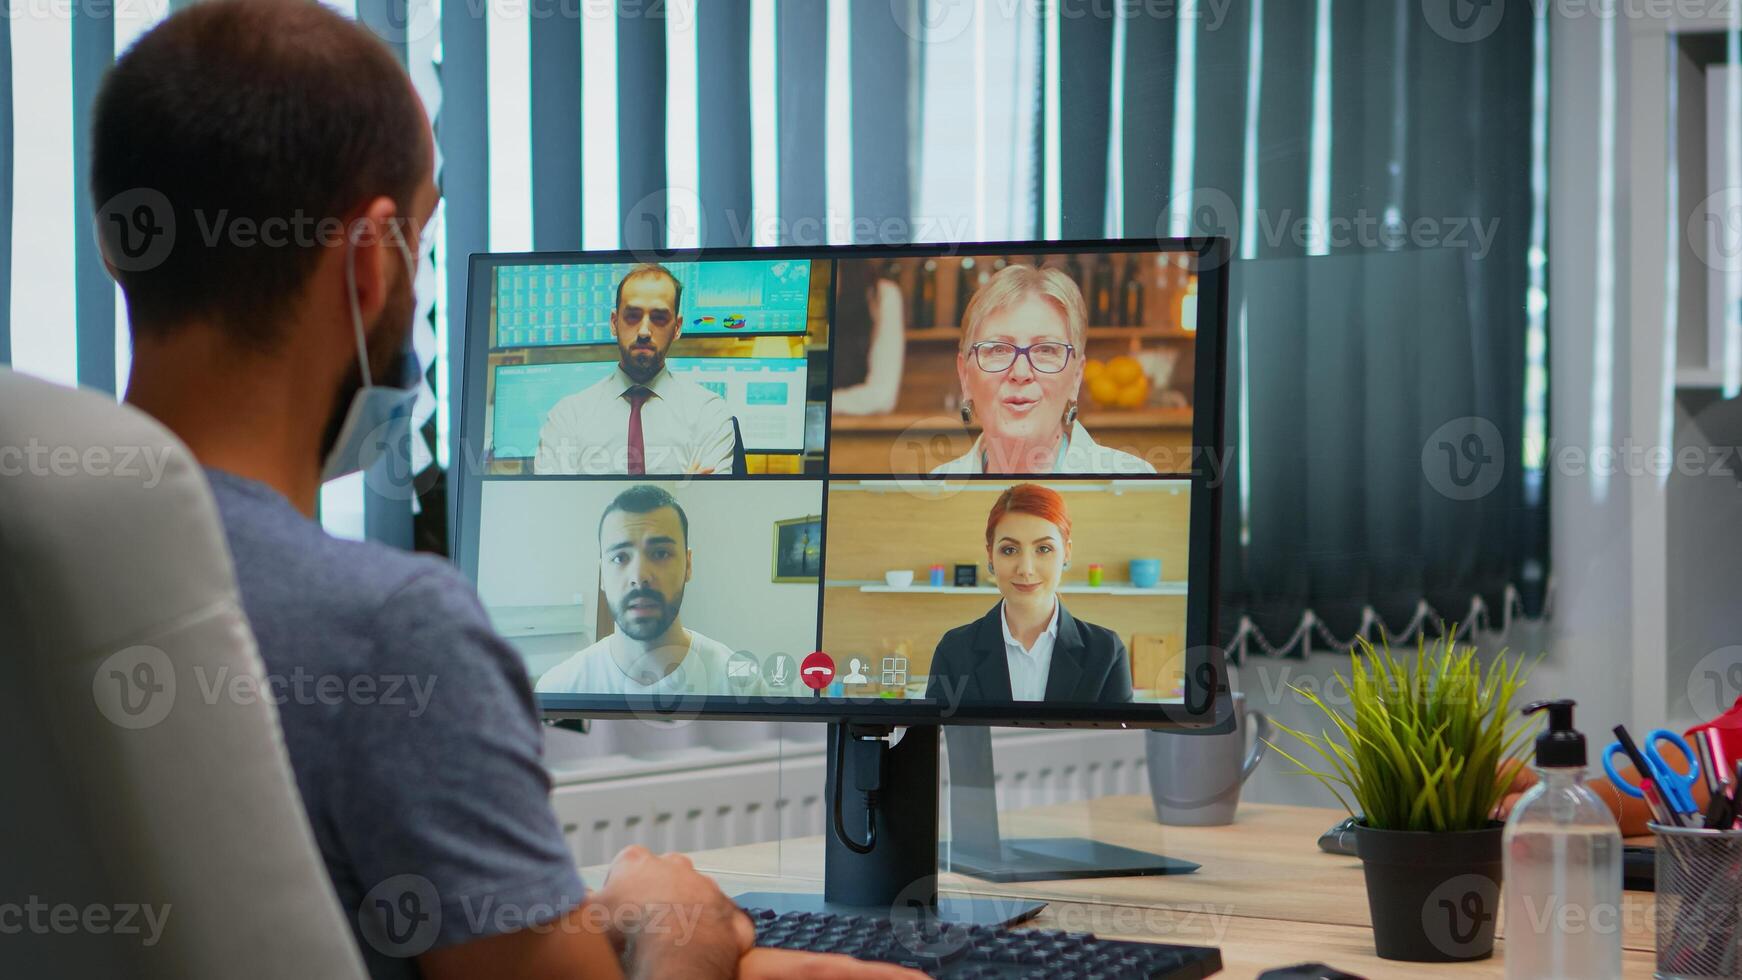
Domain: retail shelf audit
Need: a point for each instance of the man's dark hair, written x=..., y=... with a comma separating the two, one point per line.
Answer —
x=652, y=269
x=245, y=111
x=644, y=499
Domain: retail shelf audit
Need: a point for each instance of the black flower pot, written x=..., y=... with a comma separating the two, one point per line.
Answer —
x=1435, y=898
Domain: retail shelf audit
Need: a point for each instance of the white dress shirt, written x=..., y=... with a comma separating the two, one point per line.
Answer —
x=1029, y=666
x=1080, y=454
x=703, y=670
x=685, y=428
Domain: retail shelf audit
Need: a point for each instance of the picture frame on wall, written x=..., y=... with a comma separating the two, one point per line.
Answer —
x=798, y=550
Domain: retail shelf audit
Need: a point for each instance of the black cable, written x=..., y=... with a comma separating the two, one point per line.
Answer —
x=870, y=801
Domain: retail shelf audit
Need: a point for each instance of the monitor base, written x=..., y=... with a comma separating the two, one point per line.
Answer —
x=993, y=912
x=1059, y=858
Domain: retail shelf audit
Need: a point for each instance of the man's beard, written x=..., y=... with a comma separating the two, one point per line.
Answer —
x=646, y=628
x=640, y=372
x=387, y=366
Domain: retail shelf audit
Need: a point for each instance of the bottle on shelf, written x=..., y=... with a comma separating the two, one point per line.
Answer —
x=925, y=296
x=1101, y=291
x=1131, y=295
x=967, y=280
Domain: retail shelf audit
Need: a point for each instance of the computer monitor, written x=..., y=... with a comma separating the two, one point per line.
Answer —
x=916, y=485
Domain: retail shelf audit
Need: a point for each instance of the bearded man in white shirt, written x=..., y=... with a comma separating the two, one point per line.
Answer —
x=644, y=566
x=640, y=419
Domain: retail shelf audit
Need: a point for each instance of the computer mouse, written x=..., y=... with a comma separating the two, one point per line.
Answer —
x=1307, y=971
x=1339, y=839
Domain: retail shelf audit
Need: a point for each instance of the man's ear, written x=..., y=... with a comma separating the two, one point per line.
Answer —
x=689, y=565
x=372, y=258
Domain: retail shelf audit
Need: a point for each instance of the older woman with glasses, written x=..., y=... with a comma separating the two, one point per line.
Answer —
x=1021, y=366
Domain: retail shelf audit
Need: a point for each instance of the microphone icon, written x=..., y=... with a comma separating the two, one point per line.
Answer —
x=781, y=668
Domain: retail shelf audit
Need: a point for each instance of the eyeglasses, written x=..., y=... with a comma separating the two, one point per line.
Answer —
x=632, y=315
x=995, y=356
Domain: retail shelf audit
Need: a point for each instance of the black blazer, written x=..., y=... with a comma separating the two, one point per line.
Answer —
x=1089, y=663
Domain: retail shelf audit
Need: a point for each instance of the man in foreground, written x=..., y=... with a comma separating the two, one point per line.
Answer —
x=276, y=363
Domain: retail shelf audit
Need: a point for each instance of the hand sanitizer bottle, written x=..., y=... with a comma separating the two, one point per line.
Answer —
x=1563, y=867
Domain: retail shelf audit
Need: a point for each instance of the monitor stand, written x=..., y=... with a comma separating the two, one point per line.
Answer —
x=897, y=876
x=977, y=849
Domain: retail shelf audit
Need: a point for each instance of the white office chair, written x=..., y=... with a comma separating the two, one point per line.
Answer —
x=131, y=777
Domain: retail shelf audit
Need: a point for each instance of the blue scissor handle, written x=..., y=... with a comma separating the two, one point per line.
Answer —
x=1675, y=786
x=1678, y=782
x=1624, y=785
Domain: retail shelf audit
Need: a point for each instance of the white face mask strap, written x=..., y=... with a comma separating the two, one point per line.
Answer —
x=356, y=310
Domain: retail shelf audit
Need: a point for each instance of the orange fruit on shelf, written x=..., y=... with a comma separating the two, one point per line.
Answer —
x=1104, y=391
x=1124, y=369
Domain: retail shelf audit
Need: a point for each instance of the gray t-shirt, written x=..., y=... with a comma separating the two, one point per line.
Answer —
x=412, y=730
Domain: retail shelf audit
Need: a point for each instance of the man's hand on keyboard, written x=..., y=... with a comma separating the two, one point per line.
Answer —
x=790, y=964
x=671, y=921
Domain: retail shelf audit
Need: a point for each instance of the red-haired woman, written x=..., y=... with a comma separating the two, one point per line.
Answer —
x=1028, y=648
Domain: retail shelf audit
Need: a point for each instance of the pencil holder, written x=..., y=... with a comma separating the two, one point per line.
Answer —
x=1699, y=903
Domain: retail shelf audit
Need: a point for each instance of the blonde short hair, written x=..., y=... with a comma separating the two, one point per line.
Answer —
x=1015, y=283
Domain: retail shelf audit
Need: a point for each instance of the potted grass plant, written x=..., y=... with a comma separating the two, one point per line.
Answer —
x=1423, y=753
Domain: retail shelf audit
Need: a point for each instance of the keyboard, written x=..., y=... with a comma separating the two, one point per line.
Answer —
x=968, y=952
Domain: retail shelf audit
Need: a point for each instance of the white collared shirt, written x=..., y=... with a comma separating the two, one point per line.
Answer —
x=1082, y=454
x=1029, y=666
x=685, y=428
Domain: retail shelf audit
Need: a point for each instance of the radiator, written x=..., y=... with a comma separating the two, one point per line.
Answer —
x=700, y=798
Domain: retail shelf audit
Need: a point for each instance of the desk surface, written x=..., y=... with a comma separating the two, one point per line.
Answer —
x=1266, y=894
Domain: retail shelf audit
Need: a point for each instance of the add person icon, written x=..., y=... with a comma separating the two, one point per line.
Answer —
x=855, y=673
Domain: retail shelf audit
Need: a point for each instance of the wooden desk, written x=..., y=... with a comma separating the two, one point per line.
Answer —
x=1266, y=894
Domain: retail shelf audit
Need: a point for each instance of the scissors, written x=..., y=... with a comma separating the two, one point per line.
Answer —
x=1675, y=786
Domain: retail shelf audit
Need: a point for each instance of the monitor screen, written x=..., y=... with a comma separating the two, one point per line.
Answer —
x=977, y=484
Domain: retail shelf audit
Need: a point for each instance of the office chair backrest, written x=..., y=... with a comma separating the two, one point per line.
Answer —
x=738, y=464
x=140, y=789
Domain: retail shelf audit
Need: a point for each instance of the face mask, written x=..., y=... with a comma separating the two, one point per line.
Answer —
x=379, y=417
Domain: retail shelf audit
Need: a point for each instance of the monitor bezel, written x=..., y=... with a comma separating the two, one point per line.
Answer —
x=1206, y=704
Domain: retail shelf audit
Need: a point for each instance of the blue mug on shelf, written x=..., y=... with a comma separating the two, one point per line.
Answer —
x=1146, y=572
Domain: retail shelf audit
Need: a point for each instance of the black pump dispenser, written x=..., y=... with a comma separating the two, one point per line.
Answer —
x=1560, y=746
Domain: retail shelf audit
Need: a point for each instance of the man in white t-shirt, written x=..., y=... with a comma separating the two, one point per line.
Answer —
x=644, y=565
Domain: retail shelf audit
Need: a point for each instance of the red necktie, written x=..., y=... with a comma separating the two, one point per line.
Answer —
x=637, y=396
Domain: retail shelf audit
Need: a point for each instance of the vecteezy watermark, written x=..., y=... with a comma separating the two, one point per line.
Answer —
x=1211, y=212
x=138, y=230
x=138, y=686
x=36, y=916
x=941, y=21
x=1715, y=682
x=674, y=215
x=146, y=464
x=1463, y=21
x=1468, y=21
x=934, y=440
x=1459, y=915
x=135, y=687
x=1464, y=458
x=1714, y=230
x=403, y=917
